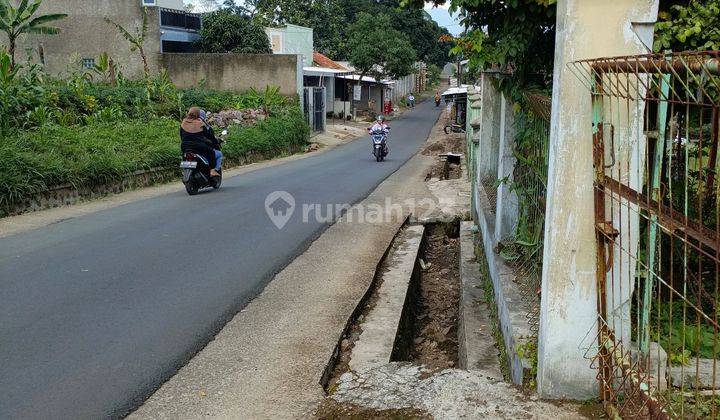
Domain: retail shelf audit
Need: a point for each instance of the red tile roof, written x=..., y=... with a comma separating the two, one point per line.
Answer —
x=322, y=61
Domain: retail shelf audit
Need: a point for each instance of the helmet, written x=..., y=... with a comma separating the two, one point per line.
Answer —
x=380, y=118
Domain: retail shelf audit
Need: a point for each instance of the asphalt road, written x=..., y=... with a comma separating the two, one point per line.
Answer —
x=96, y=312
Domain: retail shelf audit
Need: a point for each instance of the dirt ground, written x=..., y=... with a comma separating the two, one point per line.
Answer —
x=435, y=342
x=331, y=409
x=439, y=143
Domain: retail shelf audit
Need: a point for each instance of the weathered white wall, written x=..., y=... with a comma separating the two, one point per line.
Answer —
x=568, y=317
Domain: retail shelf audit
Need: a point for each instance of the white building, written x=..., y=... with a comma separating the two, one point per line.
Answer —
x=292, y=39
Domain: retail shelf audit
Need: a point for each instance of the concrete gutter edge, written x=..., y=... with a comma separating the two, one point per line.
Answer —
x=476, y=345
x=510, y=307
x=361, y=304
x=380, y=341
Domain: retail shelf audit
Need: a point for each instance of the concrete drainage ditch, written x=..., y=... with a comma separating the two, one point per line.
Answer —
x=421, y=344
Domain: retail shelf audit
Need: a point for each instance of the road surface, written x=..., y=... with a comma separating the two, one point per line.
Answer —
x=96, y=312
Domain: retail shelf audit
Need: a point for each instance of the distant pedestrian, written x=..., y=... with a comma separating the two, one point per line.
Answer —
x=411, y=100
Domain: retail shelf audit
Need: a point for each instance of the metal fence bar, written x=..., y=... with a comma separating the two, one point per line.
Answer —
x=657, y=222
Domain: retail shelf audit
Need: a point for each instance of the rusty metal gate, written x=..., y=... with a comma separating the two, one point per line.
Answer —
x=657, y=218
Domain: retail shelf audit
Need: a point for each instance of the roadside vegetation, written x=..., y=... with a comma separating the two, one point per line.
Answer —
x=85, y=131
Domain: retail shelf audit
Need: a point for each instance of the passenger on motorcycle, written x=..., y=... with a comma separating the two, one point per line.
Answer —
x=196, y=136
x=210, y=134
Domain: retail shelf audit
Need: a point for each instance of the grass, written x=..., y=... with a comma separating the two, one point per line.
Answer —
x=37, y=160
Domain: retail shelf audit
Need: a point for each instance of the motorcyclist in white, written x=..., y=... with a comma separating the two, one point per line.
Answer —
x=379, y=126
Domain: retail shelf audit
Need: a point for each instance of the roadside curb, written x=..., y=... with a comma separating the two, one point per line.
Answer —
x=511, y=309
x=380, y=341
x=476, y=345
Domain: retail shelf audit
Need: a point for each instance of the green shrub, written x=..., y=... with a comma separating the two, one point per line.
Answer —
x=273, y=135
x=113, y=146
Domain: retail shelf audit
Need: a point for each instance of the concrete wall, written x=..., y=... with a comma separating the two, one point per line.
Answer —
x=85, y=34
x=235, y=72
x=568, y=317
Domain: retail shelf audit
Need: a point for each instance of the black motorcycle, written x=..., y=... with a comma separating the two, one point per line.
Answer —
x=380, y=149
x=196, y=172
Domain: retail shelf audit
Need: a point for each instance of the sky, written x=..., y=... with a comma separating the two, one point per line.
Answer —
x=443, y=18
x=439, y=14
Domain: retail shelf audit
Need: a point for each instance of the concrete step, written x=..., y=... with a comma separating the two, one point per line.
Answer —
x=380, y=341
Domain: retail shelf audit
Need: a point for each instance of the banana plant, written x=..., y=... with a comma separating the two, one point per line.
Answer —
x=136, y=40
x=15, y=21
x=7, y=71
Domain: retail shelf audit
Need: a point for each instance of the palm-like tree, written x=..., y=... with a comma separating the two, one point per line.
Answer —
x=15, y=21
x=136, y=40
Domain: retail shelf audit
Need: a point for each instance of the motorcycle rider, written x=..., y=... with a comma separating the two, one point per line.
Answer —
x=380, y=127
x=194, y=138
x=437, y=98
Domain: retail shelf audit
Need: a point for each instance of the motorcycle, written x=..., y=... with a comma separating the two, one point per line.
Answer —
x=196, y=171
x=380, y=149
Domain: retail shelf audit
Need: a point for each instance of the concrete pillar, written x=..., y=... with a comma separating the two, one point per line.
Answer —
x=506, y=214
x=568, y=315
x=489, y=129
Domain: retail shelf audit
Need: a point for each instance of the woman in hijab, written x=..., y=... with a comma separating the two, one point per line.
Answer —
x=194, y=138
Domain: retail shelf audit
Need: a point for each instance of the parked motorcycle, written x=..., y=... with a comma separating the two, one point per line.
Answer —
x=196, y=171
x=453, y=128
x=379, y=139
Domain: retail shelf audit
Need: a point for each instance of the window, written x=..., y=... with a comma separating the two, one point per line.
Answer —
x=275, y=43
x=179, y=47
x=177, y=19
x=88, y=63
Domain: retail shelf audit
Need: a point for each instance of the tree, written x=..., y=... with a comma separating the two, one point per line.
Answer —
x=694, y=25
x=517, y=35
x=331, y=20
x=324, y=16
x=15, y=21
x=225, y=31
x=137, y=39
x=375, y=48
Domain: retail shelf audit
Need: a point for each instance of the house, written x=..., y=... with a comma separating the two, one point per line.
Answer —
x=85, y=34
x=323, y=73
x=292, y=39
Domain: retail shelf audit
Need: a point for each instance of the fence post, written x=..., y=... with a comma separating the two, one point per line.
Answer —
x=507, y=204
x=489, y=132
x=568, y=314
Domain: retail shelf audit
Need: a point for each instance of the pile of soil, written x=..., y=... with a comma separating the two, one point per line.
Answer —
x=435, y=342
x=439, y=143
x=438, y=171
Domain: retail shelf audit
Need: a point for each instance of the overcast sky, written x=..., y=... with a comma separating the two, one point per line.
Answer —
x=439, y=14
